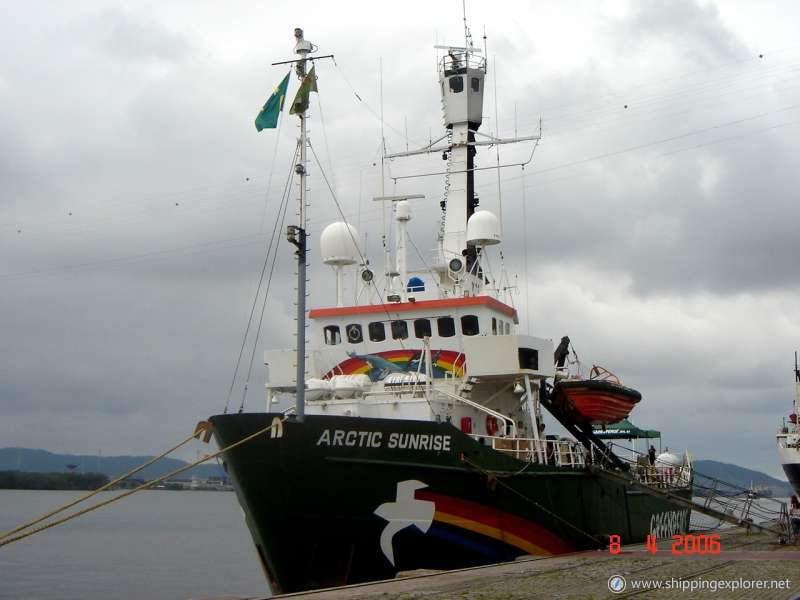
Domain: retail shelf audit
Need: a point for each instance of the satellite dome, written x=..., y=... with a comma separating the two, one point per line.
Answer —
x=338, y=244
x=415, y=284
x=669, y=459
x=483, y=229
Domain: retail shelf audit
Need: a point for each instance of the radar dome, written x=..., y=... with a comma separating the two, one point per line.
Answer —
x=338, y=244
x=483, y=229
x=669, y=459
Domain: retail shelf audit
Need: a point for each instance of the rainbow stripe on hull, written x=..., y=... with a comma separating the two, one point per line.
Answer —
x=498, y=525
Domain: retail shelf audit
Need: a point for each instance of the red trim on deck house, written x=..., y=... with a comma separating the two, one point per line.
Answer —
x=396, y=307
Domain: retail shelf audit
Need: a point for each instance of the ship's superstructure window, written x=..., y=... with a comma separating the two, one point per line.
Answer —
x=446, y=326
x=354, y=333
x=457, y=84
x=469, y=325
x=399, y=330
x=528, y=359
x=332, y=335
x=377, y=332
x=476, y=84
x=508, y=328
x=494, y=326
x=422, y=328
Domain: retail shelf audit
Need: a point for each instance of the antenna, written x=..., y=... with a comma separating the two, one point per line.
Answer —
x=467, y=34
x=796, y=369
x=386, y=266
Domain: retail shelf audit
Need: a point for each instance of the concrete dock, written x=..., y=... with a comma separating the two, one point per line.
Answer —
x=744, y=561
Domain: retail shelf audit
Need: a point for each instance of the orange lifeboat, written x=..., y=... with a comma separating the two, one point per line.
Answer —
x=599, y=399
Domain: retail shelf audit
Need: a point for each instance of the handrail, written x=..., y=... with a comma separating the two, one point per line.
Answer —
x=482, y=408
x=559, y=447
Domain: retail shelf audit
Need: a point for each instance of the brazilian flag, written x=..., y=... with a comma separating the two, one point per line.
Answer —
x=268, y=117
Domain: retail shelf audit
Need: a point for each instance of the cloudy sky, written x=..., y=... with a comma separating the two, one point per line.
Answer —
x=137, y=199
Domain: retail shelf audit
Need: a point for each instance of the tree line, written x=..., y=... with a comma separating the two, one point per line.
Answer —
x=23, y=480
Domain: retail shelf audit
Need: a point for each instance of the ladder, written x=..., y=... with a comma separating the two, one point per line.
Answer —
x=779, y=528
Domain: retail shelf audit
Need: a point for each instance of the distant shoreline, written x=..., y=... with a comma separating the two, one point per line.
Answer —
x=27, y=480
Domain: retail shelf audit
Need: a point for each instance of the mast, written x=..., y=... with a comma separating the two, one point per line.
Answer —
x=298, y=235
x=796, y=386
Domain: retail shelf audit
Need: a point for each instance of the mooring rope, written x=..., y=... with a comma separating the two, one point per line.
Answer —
x=9, y=540
x=103, y=488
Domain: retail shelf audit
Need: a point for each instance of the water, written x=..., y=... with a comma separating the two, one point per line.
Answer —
x=154, y=545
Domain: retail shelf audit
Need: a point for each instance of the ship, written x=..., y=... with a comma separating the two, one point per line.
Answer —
x=416, y=437
x=788, y=437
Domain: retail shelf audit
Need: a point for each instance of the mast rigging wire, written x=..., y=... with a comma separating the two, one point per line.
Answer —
x=284, y=198
x=271, y=172
x=263, y=308
x=355, y=241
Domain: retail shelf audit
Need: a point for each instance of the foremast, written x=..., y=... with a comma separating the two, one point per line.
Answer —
x=296, y=234
x=796, y=389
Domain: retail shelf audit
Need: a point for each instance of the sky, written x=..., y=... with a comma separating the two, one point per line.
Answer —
x=137, y=199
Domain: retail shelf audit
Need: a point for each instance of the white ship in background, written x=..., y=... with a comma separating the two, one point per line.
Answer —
x=789, y=437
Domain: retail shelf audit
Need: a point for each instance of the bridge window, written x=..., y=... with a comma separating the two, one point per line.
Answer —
x=457, y=84
x=446, y=326
x=422, y=328
x=494, y=326
x=354, y=333
x=469, y=325
x=377, y=332
x=332, y=335
x=508, y=328
x=476, y=84
x=399, y=330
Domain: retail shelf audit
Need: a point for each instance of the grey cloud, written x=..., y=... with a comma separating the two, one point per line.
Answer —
x=676, y=271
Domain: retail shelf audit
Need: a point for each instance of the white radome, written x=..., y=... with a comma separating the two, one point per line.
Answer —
x=338, y=244
x=483, y=229
x=669, y=459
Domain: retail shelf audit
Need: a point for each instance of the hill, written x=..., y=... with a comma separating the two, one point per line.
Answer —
x=42, y=461
x=739, y=476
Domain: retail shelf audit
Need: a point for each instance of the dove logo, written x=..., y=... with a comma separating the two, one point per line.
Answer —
x=404, y=512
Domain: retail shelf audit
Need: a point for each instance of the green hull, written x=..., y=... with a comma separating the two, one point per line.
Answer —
x=339, y=500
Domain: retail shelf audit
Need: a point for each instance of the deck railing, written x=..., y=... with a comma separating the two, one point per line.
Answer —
x=663, y=476
x=559, y=453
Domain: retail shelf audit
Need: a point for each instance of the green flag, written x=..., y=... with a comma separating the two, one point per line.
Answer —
x=309, y=85
x=268, y=117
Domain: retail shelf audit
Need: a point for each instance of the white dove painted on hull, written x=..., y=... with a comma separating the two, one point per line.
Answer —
x=404, y=512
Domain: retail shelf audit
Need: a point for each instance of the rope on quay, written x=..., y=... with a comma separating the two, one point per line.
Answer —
x=200, y=429
x=5, y=540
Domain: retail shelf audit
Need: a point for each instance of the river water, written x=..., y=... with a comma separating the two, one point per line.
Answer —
x=153, y=545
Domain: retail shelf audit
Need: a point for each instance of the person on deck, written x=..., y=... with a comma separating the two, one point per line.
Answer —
x=651, y=455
